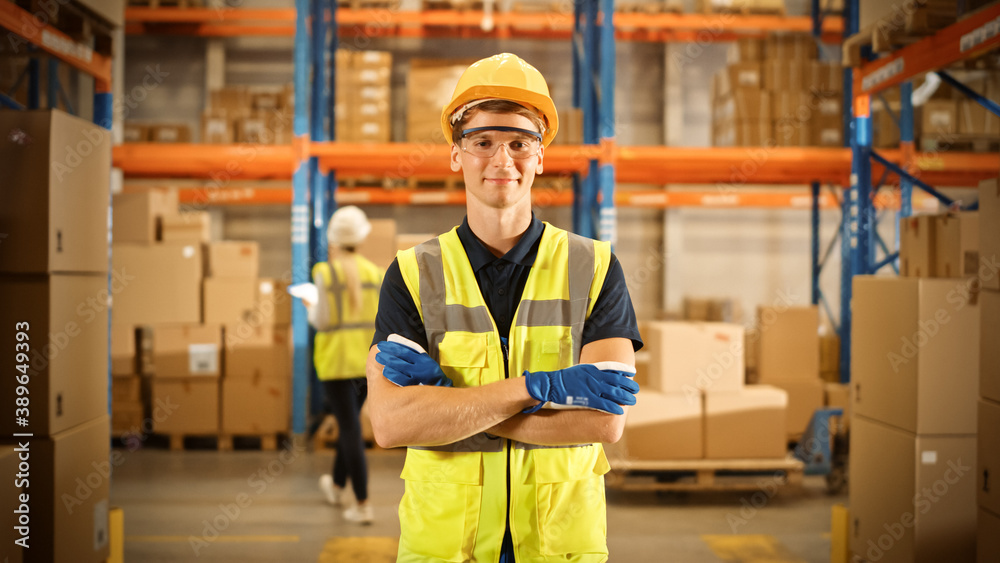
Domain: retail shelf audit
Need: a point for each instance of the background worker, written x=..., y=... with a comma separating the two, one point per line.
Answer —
x=489, y=476
x=344, y=317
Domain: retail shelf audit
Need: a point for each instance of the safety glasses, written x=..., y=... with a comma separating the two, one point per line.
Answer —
x=484, y=142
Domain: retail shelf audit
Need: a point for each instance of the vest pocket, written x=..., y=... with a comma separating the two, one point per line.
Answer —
x=569, y=488
x=439, y=512
x=463, y=356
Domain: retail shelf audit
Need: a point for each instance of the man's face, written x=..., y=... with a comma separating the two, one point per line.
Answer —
x=498, y=181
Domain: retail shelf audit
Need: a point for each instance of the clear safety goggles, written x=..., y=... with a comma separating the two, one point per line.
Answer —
x=484, y=142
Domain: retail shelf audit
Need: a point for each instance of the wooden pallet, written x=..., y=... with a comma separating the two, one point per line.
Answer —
x=745, y=7
x=223, y=442
x=900, y=28
x=170, y=3
x=457, y=5
x=704, y=474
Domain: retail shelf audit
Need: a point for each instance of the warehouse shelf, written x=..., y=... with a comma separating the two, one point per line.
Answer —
x=667, y=27
x=724, y=166
x=968, y=38
x=56, y=43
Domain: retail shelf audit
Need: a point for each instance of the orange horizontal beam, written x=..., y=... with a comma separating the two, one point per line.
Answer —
x=725, y=166
x=54, y=42
x=450, y=23
x=965, y=39
x=221, y=163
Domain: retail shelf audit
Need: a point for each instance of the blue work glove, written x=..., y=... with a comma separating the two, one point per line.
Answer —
x=405, y=366
x=582, y=385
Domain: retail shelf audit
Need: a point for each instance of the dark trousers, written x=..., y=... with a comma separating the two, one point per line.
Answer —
x=344, y=398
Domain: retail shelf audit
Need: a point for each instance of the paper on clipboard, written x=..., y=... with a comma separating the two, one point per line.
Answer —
x=305, y=291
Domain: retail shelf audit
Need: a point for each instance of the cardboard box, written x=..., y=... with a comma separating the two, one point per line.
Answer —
x=191, y=227
x=663, y=426
x=744, y=133
x=956, y=245
x=112, y=11
x=255, y=405
x=788, y=343
x=127, y=417
x=740, y=75
x=917, y=251
x=133, y=132
x=988, y=456
x=380, y=246
x=688, y=356
x=915, y=353
x=795, y=46
x=745, y=49
x=987, y=537
x=989, y=352
x=54, y=201
x=912, y=497
x=975, y=119
x=709, y=310
x=989, y=234
x=274, y=304
x=746, y=424
x=792, y=132
x=827, y=78
x=231, y=99
x=940, y=117
x=829, y=358
x=430, y=84
x=804, y=397
x=169, y=133
x=67, y=350
x=137, y=216
x=68, y=494
x=126, y=388
x=786, y=74
x=746, y=103
x=406, y=241
x=123, y=356
x=193, y=405
x=228, y=300
x=10, y=499
x=642, y=368
x=187, y=350
x=258, y=352
x=838, y=395
x=217, y=127
x=232, y=259
x=156, y=284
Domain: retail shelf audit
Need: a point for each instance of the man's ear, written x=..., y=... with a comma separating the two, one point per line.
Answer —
x=541, y=155
x=456, y=158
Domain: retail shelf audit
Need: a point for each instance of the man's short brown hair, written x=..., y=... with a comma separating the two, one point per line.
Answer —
x=496, y=106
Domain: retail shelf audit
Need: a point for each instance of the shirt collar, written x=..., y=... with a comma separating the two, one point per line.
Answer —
x=523, y=253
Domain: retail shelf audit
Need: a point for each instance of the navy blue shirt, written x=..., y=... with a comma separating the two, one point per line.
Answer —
x=501, y=282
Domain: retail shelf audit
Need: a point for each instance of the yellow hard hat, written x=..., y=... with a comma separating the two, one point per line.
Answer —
x=504, y=77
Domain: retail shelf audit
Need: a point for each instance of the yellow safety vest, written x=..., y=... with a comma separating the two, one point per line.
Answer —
x=456, y=501
x=341, y=350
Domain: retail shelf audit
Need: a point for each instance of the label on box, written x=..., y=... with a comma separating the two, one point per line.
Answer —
x=928, y=457
x=203, y=359
x=266, y=288
x=829, y=107
x=940, y=119
x=830, y=136
x=188, y=251
x=101, y=525
x=749, y=78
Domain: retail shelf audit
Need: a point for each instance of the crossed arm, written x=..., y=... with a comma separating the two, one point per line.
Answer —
x=429, y=416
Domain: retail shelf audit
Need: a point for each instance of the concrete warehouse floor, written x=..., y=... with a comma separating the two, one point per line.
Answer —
x=252, y=506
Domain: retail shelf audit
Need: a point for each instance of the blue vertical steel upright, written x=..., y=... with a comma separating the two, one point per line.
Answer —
x=906, y=141
x=848, y=206
x=319, y=182
x=607, y=217
x=300, y=217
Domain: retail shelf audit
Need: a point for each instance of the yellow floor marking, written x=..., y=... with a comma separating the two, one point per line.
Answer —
x=359, y=550
x=220, y=539
x=750, y=549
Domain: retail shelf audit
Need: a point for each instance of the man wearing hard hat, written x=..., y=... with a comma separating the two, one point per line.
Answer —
x=344, y=317
x=529, y=335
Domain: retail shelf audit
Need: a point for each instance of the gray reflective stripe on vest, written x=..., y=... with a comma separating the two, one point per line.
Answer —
x=477, y=443
x=523, y=446
x=350, y=326
x=337, y=291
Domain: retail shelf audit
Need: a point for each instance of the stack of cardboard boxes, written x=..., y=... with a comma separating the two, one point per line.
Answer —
x=219, y=334
x=915, y=387
x=54, y=274
x=431, y=82
x=775, y=92
x=363, y=96
x=694, y=403
x=988, y=451
x=787, y=357
x=240, y=114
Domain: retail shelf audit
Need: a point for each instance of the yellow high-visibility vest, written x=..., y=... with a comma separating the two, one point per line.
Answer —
x=456, y=502
x=341, y=350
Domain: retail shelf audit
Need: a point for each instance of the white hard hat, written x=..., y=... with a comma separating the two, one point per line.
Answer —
x=349, y=226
